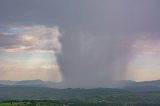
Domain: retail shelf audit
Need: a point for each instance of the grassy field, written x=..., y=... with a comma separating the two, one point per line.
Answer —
x=72, y=103
x=6, y=104
x=16, y=104
x=31, y=103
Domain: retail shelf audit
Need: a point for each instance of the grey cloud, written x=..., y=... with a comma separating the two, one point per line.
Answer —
x=9, y=41
x=30, y=38
x=122, y=16
x=97, y=34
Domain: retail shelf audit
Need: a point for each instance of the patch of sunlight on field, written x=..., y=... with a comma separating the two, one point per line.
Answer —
x=6, y=104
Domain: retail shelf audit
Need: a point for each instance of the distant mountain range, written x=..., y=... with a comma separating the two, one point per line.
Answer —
x=30, y=83
x=37, y=89
x=117, y=84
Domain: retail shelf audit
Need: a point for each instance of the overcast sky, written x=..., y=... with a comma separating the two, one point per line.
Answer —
x=82, y=43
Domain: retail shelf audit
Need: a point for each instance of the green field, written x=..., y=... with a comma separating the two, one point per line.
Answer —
x=90, y=102
x=16, y=104
x=6, y=104
x=33, y=96
x=31, y=103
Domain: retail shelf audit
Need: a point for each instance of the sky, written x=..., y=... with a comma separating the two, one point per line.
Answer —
x=80, y=43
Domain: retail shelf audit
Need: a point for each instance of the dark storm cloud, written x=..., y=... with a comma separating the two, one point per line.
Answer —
x=97, y=34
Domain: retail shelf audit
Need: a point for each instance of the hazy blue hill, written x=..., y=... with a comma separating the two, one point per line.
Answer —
x=154, y=85
x=142, y=88
x=2, y=85
x=149, y=83
x=7, y=82
x=139, y=92
x=30, y=82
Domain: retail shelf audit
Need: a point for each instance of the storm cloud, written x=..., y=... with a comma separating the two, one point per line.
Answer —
x=97, y=36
